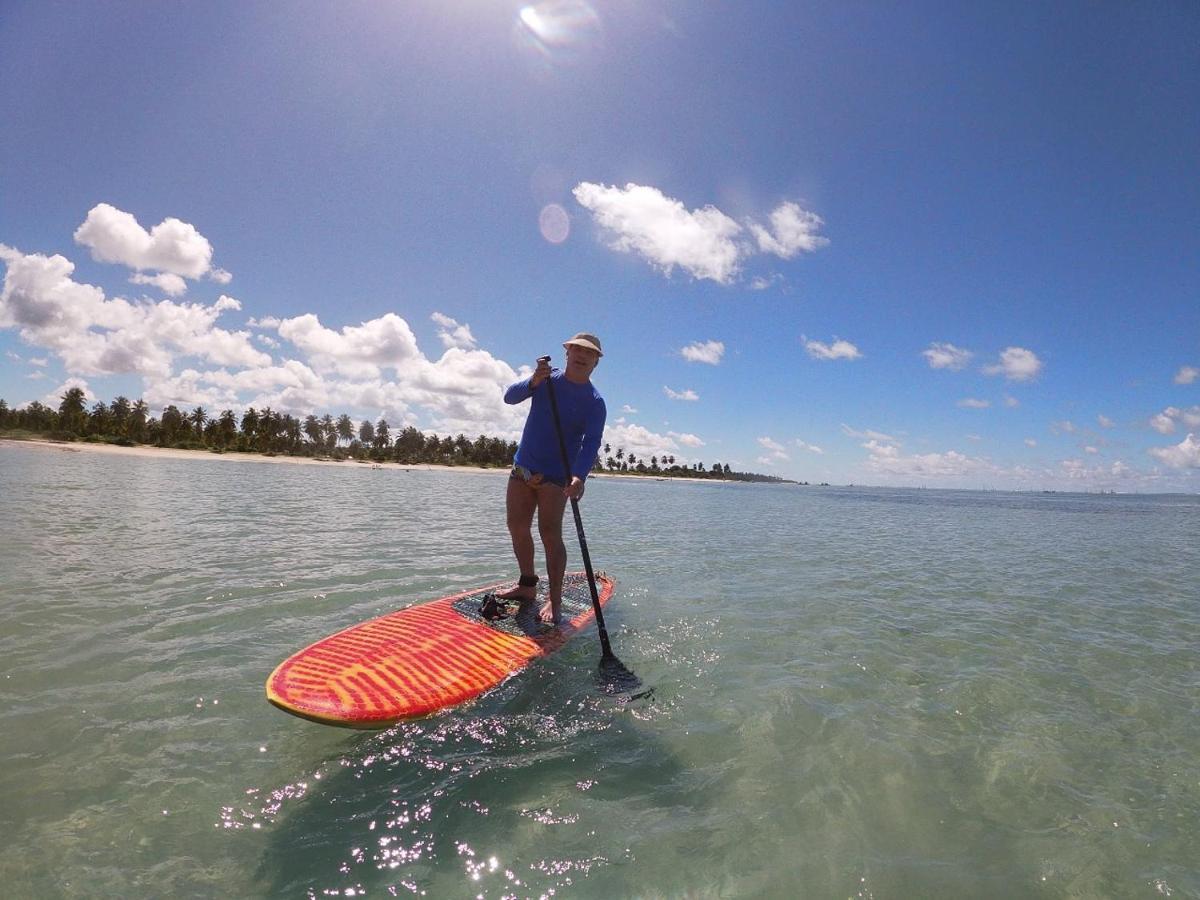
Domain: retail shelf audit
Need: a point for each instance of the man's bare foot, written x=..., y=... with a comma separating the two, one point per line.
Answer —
x=518, y=593
x=524, y=589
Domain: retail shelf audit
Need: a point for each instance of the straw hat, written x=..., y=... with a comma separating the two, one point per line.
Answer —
x=583, y=339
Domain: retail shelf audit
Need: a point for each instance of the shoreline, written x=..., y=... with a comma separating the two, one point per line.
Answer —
x=147, y=451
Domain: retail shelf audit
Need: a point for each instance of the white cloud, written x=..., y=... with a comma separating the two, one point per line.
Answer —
x=709, y=352
x=974, y=403
x=839, y=349
x=184, y=358
x=1066, y=425
x=453, y=334
x=705, y=243
x=793, y=230
x=768, y=444
x=1165, y=421
x=642, y=220
x=811, y=448
x=54, y=398
x=1016, y=364
x=169, y=284
x=1184, y=455
x=867, y=435
x=1091, y=450
x=946, y=356
x=1187, y=375
x=93, y=335
x=357, y=351
x=172, y=246
x=220, y=276
x=776, y=452
x=763, y=282
x=686, y=439
x=1011, y=402
x=885, y=458
x=1104, y=421
x=1100, y=474
x=644, y=443
x=686, y=394
x=629, y=410
x=1030, y=442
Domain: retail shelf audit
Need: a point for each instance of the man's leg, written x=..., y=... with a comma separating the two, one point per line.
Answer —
x=550, y=506
x=520, y=503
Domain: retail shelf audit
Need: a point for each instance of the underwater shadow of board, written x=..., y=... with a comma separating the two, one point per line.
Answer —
x=543, y=743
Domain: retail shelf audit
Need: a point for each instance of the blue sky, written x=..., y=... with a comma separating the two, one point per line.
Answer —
x=916, y=244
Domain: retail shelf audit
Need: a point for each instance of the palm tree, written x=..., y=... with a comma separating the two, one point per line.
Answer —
x=313, y=429
x=383, y=434
x=292, y=432
x=250, y=427
x=71, y=412
x=226, y=428
x=37, y=417
x=172, y=423
x=98, y=421
x=198, y=418
x=137, y=421
x=409, y=445
x=119, y=413
x=345, y=428
x=328, y=431
x=268, y=428
x=366, y=433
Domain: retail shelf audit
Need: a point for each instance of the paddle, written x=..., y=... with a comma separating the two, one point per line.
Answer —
x=614, y=673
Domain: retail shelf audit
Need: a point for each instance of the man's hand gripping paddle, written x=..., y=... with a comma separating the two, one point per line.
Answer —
x=615, y=677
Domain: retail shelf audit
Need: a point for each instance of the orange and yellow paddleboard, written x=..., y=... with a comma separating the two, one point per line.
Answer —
x=424, y=658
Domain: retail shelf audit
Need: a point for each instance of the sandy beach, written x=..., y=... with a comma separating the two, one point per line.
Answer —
x=171, y=453
x=144, y=450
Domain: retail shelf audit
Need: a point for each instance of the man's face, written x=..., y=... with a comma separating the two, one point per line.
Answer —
x=581, y=361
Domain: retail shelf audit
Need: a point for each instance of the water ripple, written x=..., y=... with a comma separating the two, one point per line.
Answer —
x=871, y=693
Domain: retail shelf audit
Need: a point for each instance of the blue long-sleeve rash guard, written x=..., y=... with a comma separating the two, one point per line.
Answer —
x=583, y=413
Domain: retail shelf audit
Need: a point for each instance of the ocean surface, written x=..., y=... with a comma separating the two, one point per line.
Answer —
x=856, y=692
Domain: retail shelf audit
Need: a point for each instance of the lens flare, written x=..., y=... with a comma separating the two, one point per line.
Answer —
x=554, y=223
x=559, y=31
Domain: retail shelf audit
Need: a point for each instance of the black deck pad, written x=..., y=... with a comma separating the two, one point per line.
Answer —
x=522, y=618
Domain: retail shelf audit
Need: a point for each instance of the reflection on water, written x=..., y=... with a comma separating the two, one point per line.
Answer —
x=871, y=693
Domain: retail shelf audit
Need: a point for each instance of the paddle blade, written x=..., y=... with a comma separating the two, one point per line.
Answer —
x=614, y=677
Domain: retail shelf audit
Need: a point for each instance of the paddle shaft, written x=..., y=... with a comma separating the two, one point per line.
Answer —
x=605, y=647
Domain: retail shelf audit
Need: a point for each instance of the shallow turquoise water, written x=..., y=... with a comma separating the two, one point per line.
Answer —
x=857, y=692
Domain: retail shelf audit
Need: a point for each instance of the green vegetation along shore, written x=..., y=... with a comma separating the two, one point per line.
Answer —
x=272, y=433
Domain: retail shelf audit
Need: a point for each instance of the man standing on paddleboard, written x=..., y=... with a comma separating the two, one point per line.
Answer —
x=538, y=482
